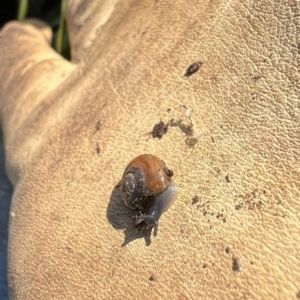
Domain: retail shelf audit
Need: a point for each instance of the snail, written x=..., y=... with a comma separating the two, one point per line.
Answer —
x=147, y=186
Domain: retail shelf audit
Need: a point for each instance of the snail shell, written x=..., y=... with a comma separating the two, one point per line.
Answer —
x=147, y=186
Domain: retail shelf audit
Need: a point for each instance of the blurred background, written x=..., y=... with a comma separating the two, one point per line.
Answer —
x=52, y=12
x=5, y=197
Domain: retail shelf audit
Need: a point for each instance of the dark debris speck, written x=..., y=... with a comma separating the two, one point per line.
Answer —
x=239, y=206
x=152, y=278
x=191, y=141
x=98, y=148
x=97, y=127
x=160, y=129
x=187, y=129
x=227, y=178
x=193, y=68
x=256, y=78
x=236, y=264
x=195, y=200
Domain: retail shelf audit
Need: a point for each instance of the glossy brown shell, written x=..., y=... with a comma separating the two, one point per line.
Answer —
x=156, y=174
x=147, y=186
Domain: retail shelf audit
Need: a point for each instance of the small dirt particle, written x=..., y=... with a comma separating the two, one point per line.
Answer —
x=227, y=250
x=239, y=206
x=159, y=130
x=298, y=294
x=193, y=68
x=195, y=200
x=255, y=78
x=218, y=215
x=98, y=148
x=259, y=204
x=227, y=178
x=236, y=264
x=97, y=127
x=69, y=249
x=152, y=278
x=204, y=266
x=191, y=141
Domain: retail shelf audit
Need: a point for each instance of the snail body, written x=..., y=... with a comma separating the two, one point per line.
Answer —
x=147, y=186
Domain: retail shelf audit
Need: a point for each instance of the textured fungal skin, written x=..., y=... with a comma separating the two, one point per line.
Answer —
x=66, y=227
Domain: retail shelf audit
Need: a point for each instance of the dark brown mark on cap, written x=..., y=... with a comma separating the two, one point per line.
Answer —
x=236, y=264
x=159, y=130
x=227, y=178
x=195, y=200
x=152, y=278
x=191, y=141
x=97, y=127
x=256, y=78
x=193, y=68
x=98, y=148
x=239, y=206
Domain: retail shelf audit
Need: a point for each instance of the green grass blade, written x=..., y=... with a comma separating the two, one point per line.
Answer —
x=60, y=32
x=22, y=10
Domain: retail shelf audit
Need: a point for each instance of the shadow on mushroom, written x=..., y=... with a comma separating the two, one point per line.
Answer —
x=122, y=218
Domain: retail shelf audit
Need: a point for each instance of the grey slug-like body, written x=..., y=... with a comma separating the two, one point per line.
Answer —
x=147, y=186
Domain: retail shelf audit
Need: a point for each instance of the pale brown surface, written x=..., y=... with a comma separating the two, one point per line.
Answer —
x=68, y=224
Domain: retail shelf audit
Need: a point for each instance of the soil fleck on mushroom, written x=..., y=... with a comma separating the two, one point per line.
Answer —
x=193, y=68
x=159, y=130
x=236, y=264
x=195, y=200
x=152, y=278
x=239, y=206
x=97, y=127
x=191, y=141
x=257, y=77
x=187, y=129
x=227, y=250
x=98, y=148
